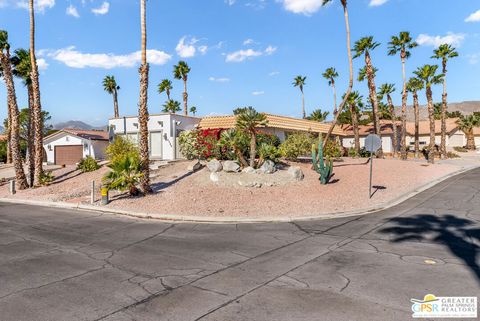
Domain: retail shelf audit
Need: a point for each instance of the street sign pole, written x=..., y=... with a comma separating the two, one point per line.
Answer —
x=371, y=171
x=372, y=143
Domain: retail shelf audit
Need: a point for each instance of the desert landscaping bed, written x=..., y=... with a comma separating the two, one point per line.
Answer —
x=180, y=192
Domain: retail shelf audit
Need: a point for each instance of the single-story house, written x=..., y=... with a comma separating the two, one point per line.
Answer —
x=281, y=126
x=455, y=137
x=386, y=130
x=69, y=146
x=164, y=130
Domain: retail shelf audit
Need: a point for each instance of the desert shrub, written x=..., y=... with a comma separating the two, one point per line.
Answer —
x=88, y=164
x=268, y=152
x=333, y=149
x=46, y=178
x=269, y=139
x=187, y=142
x=351, y=152
x=119, y=149
x=125, y=174
x=298, y=144
x=3, y=151
x=460, y=149
x=452, y=155
x=233, y=144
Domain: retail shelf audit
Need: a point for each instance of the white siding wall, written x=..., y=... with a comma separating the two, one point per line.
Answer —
x=65, y=140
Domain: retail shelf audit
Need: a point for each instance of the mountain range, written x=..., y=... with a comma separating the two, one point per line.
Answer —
x=77, y=124
x=466, y=108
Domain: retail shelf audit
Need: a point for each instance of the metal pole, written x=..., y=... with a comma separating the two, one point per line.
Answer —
x=12, y=187
x=371, y=170
x=92, y=194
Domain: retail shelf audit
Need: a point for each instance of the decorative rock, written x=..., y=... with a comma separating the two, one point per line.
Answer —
x=250, y=184
x=231, y=167
x=249, y=170
x=296, y=173
x=194, y=166
x=214, y=177
x=214, y=166
x=268, y=167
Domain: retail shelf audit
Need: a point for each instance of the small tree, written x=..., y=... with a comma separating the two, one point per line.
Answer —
x=466, y=124
x=248, y=119
x=125, y=174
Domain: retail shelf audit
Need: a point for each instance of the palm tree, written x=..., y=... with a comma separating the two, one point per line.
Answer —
x=165, y=87
x=363, y=47
x=362, y=73
x=7, y=130
x=180, y=72
x=414, y=85
x=402, y=44
x=142, y=106
x=37, y=104
x=193, y=110
x=5, y=60
x=318, y=115
x=355, y=103
x=111, y=87
x=444, y=52
x=171, y=106
x=330, y=74
x=22, y=69
x=388, y=90
x=350, y=62
x=299, y=82
x=248, y=119
x=427, y=74
x=466, y=124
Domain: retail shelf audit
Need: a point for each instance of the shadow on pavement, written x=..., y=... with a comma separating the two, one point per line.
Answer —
x=459, y=235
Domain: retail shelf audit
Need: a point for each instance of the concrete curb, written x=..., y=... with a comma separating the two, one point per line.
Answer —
x=233, y=220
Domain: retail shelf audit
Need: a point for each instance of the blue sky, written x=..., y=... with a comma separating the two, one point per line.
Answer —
x=242, y=52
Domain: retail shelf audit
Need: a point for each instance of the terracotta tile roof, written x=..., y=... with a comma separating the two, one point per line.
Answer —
x=424, y=127
x=274, y=121
x=386, y=128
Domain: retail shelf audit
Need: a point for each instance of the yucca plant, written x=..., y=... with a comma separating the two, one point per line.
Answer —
x=125, y=174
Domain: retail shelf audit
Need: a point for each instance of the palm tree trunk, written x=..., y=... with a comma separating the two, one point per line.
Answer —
x=443, y=144
x=356, y=131
x=168, y=94
x=373, y=99
x=30, y=138
x=304, y=114
x=350, y=83
x=142, y=106
x=253, y=149
x=37, y=106
x=335, y=111
x=21, y=180
x=417, y=124
x=9, y=135
x=431, y=117
x=403, y=139
x=185, y=98
x=470, y=139
x=115, y=104
x=394, y=125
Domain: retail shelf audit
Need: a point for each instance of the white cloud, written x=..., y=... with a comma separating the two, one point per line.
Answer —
x=230, y=2
x=306, y=7
x=223, y=80
x=42, y=64
x=274, y=73
x=258, y=93
x=242, y=55
x=185, y=48
x=270, y=50
x=203, y=49
x=376, y=3
x=248, y=42
x=72, y=11
x=76, y=59
x=474, y=17
x=40, y=5
x=451, y=38
x=103, y=9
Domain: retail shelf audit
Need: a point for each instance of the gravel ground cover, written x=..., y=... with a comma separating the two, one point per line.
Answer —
x=179, y=192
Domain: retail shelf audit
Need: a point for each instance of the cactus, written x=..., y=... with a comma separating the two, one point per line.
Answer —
x=321, y=166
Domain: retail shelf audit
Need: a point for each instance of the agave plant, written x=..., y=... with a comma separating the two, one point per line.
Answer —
x=125, y=174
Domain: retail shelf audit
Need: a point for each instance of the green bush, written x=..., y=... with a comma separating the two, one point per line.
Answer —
x=333, y=149
x=46, y=178
x=460, y=149
x=269, y=139
x=187, y=141
x=119, y=149
x=296, y=145
x=268, y=152
x=452, y=155
x=3, y=151
x=88, y=164
x=125, y=174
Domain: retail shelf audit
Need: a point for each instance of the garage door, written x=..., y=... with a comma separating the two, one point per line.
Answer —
x=68, y=155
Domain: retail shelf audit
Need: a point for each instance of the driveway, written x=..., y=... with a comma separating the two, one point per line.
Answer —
x=60, y=264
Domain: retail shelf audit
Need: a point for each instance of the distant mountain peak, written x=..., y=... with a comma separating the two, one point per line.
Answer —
x=76, y=124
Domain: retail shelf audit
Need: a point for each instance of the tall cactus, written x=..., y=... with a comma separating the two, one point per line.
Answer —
x=321, y=166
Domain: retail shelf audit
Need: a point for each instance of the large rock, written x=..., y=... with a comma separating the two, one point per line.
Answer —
x=249, y=170
x=194, y=166
x=296, y=173
x=268, y=167
x=214, y=177
x=214, y=166
x=231, y=167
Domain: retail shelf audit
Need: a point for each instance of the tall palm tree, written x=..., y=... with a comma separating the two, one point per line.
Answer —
x=111, y=87
x=22, y=69
x=318, y=115
x=7, y=130
x=171, y=106
x=350, y=63
x=165, y=87
x=466, y=124
x=444, y=52
x=362, y=73
x=142, y=106
x=355, y=103
x=193, y=110
x=388, y=90
x=5, y=60
x=331, y=74
x=37, y=104
x=181, y=72
x=248, y=119
x=299, y=82
x=403, y=44
x=414, y=85
x=428, y=75
x=363, y=47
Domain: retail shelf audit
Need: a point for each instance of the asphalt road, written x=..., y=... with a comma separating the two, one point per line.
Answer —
x=68, y=265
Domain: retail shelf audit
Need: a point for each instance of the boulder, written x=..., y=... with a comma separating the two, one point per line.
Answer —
x=268, y=167
x=231, y=167
x=214, y=166
x=296, y=173
x=194, y=166
x=214, y=177
x=249, y=170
